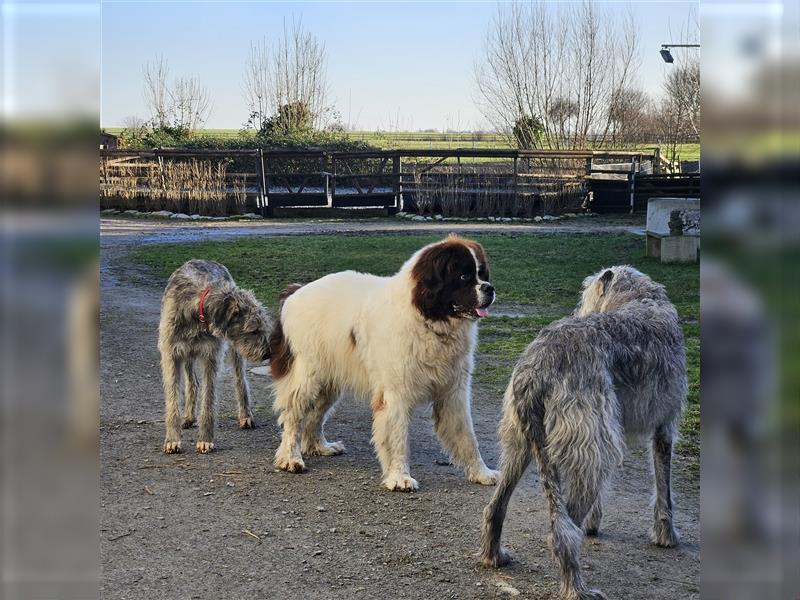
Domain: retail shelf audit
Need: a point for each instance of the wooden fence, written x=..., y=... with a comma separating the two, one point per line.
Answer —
x=508, y=180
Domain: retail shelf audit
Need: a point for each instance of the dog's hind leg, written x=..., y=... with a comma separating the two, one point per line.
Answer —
x=313, y=436
x=591, y=524
x=293, y=399
x=208, y=406
x=514, y=461
x=170, y=368
x=190, y=386
x=565, y=534
x=243, y=398
x=664, y=533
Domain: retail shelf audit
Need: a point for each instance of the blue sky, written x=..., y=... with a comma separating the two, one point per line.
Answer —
x=399, y=64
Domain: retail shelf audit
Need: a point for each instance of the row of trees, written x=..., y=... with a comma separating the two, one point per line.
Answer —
x=284, y=85
x=181, y=105
x=564, y=76
x=551, y=75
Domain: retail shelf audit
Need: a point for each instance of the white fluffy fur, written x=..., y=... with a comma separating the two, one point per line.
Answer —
x=399, y=360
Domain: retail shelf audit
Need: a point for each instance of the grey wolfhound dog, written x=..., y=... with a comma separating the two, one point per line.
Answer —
x=615, y=368
x=201, y=311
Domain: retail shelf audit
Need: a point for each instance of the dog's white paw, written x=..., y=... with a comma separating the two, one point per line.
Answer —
x=247, y=423
x=204, y=447
x=400, y=482
x=290, y=464
x=485, y=477
x=172, y=447
x=325, y=449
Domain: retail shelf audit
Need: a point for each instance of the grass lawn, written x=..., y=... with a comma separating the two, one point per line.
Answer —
x=537, y=277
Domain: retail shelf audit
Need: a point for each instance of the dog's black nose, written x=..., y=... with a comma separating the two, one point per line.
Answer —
x=487, y=288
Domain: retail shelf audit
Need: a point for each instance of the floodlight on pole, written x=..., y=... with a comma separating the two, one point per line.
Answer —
x=667, y=55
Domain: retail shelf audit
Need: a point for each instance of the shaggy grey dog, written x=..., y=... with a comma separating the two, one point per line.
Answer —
x=202, y=309
x=615, y=368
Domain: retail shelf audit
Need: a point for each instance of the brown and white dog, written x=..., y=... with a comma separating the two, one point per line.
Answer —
x=401, y=341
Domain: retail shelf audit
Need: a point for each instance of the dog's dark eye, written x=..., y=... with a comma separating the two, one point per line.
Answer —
x=466, y=277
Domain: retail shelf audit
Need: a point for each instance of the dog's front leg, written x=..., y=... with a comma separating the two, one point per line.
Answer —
x=170, y=368
x=391, y=417
x=242, y=390
x=208, y=407
x=453, y=424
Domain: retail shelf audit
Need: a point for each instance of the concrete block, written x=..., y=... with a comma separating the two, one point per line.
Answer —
x=659, y=210
x=679, y=249
x=653, y=248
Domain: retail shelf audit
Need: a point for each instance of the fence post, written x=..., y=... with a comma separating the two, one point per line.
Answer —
x=516, y=179
x=326, y=170
x=632, y=183
x=260, y=196
x=262, y=183
x=398, y=187
x=333, y=178
x=161, y=173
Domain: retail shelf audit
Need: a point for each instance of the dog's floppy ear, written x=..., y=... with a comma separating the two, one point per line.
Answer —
x=224, y=311
x=429, y=274
x=605, y=281
x=251, y=325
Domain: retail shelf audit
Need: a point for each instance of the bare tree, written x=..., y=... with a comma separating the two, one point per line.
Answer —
x=562, y=112
x=563, y=65
x=629, y=117
x=134, y=123
x=156, y=91
x=190, y=104
x=683, y=88
x=285, y=84
x=184, y=104
x=257, y=84
x=679, y=115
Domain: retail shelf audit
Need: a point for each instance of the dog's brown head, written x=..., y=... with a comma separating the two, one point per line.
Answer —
x=451, y=280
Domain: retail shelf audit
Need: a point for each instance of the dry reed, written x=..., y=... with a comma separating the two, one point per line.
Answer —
x=189, y=186
x=493, y=191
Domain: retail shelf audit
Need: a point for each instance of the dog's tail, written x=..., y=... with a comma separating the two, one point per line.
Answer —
x=523, y=415
x=280, y=350
x=584, y=441
x=286, y=292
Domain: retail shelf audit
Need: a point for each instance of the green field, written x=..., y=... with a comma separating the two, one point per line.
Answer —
x=421, y=140
x=536, y=276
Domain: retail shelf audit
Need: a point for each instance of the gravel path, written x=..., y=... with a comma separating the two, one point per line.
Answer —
x=227, y=526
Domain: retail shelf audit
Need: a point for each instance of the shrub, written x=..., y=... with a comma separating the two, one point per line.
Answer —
x=328, y=140
x=528, y=132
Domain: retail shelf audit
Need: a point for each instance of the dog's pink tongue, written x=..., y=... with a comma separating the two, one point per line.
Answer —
x=482, y=312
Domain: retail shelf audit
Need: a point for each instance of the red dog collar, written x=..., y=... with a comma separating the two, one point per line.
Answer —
x=200, y=304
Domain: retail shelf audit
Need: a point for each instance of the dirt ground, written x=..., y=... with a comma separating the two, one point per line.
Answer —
x=226, y=525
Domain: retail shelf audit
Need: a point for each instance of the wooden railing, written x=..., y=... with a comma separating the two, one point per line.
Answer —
x=265, y=180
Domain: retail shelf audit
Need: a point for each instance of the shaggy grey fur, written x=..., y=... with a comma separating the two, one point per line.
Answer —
x=615, y=368
x=232, y=315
